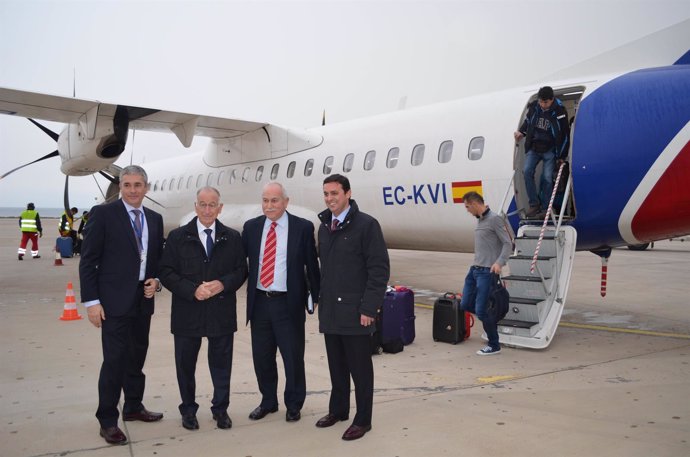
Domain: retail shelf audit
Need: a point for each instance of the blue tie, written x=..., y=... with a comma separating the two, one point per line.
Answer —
x=209, y=242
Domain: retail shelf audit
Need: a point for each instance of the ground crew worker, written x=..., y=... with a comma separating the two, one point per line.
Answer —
x=65, y=226
x=30, y=225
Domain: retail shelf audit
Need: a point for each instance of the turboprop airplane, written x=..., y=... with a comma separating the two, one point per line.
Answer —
x=629, y=168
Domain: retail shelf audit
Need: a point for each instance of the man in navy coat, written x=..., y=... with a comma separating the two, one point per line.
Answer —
x=118, y=274
x=203, y=265
x=283, y=271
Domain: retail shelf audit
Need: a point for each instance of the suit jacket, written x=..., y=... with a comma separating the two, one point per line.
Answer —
x=110, y=258
x=303, y=274
x=185, y=266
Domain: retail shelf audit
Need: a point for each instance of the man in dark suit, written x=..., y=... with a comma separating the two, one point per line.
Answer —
x=354, y=275
x=118, y=268
x=203, y=265
x=283, y=271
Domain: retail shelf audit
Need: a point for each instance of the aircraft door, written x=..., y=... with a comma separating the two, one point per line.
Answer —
x=569, y=98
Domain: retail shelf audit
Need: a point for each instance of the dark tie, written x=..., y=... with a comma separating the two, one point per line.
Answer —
x=334, y=224
x=138, y=230
x=268, y=267
x=209, y=242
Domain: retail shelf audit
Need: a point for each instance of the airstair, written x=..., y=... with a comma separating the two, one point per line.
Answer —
x=539, y=275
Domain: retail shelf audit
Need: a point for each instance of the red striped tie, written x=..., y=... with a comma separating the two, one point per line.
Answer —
x=268, y=267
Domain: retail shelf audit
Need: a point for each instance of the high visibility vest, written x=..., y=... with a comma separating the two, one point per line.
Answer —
x=67, y=225
x=28, y=221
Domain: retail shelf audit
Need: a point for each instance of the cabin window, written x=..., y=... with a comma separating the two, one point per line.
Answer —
x=274, y=171
x=209, y=179
x=417, y=155
x=155, y=186
x=189, y=181
x=233, y=175
x=259, y=173
x=172, y=184
x=245, y=175
x=445, y=151
x=165, y=181
x=308, y=167
x=291, y=169
x=179, y=182
x=198, y=181
x=328, y=165
x=476, y=149
x=348, y=162
x=369, y=160
x=392, y=159
x=221, y=176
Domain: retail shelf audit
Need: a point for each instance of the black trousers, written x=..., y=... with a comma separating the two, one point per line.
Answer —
x=350, y=355
x=273, y=328
x=219, y=365
x=125, y=342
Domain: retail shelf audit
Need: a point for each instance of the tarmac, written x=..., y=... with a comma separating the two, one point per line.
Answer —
x=614, y=382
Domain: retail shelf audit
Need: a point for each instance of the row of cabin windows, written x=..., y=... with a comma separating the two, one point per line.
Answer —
x=445, y=152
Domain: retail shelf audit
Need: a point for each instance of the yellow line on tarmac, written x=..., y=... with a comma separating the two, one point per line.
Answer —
x=625, y=330
x=493, y=379
x=606, y=328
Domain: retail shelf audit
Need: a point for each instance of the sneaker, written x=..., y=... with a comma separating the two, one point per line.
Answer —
x=488, y=351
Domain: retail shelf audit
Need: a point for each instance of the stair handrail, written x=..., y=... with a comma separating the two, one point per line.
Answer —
x=546, y=217
x=502, y=210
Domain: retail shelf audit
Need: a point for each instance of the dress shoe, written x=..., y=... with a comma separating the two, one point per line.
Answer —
x=260, y=412
x=222, y=420
x=328, y=420
x=20, y=257
x=355, y=432
x=144, y=415
x=113, y=435
x=189, y=422
x=293, y=415
x=36, y=257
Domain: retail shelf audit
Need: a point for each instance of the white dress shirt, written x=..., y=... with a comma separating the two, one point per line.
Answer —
x=280, y=271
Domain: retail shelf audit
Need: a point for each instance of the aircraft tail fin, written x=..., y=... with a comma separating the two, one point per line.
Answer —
x=664, y=47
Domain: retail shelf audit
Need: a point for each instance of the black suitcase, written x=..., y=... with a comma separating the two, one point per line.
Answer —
x=450, y=323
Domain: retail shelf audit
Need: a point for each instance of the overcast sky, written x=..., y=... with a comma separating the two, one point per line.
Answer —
x=283, y=62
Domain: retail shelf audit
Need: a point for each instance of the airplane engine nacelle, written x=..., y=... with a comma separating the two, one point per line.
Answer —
x=82, y=155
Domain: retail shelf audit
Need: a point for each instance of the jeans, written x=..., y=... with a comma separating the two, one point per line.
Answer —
x=546, y=185
x=475, y=296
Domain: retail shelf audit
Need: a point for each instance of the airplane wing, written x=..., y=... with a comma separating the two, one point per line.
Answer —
x=87, y=112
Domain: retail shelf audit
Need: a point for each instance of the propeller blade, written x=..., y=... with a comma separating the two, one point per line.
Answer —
x=112, y=179
x=47, y=156
x=45, y=129
x=66, y=196
x=154, y=201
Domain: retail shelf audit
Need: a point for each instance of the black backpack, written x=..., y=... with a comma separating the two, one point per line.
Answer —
x=498, y=299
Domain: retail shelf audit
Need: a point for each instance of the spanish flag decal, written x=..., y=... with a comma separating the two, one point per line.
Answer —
x=460, y=188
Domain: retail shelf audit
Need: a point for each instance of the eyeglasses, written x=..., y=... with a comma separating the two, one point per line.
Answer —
x=208, y=205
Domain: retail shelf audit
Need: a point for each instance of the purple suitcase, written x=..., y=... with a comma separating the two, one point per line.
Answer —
x=398, y=316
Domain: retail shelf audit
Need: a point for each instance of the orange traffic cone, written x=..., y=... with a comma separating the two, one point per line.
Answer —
x=70, y=311
x=58, y=258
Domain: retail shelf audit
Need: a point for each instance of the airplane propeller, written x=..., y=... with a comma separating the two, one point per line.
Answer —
x=55, y=153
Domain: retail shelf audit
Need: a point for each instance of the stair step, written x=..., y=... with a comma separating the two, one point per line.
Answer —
x=547, y=236
x=529, y=257
x=517, y=324
x=521, y=278
x=524, y=301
